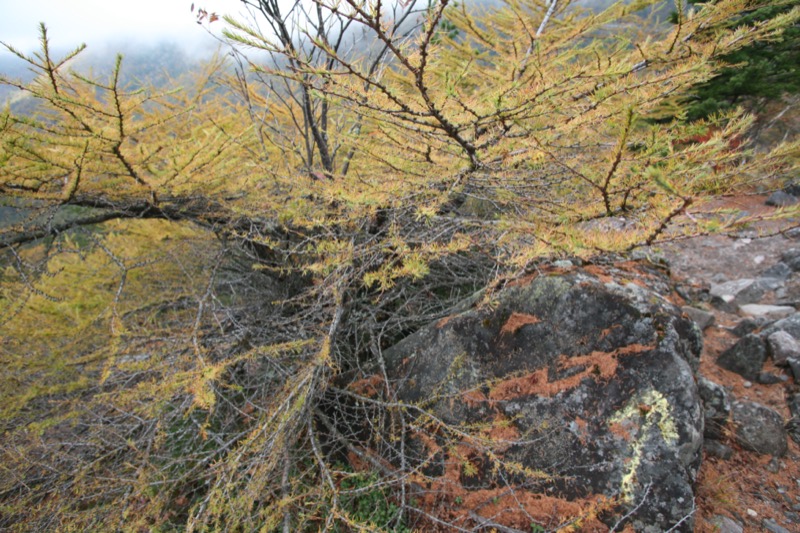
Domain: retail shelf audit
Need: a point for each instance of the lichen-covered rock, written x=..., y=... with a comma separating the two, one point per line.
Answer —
x=716, y=407
x=746, y=357
x=572, y=392
x=759, y=428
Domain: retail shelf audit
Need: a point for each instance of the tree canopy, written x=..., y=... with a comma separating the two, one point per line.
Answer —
x=761, y=71
x=201, y=275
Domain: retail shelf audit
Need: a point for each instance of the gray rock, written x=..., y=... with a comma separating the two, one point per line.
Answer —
x=702, y=318
x=730, y=295
x=781, y=346
x=773, y=312
x=774, y=466
x=716, y=407
x=759, y=428
x=779, y=271
x=746, y=357
x=790, y=325
x=768, y=378
x=596, y=377
x=794, y=405
x=715, y=448
x=726, y=525
x=792, y=188
x=781, y=199
x=793, y=425
x=793, y=429
x=748, y=325
x=794, y=366
x=792, y=258
x=719, y=277
x=771, y=525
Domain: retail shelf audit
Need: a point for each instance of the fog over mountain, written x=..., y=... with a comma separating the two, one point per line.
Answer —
x=156, y=44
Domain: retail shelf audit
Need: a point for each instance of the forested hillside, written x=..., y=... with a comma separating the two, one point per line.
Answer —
x=203, y=272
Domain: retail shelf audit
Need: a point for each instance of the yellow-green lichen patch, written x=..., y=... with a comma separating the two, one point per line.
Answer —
x=643, y=411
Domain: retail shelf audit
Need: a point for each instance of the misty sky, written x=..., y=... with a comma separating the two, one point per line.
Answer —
x=107, y=22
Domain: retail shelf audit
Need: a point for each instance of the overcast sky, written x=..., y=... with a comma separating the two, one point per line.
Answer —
x=107, y=22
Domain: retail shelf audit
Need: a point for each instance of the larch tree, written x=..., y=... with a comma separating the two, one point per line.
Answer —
x=202, y=274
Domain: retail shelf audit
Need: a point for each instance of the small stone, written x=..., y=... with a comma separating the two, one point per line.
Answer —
x=719, y=277
x=715, y=448
x=781, y=346
x=724, y=524
x=746, y=326
x=794, y=364
x=752, y=513
x=774, y=465
x=781, y=199
x=793, y=429
x=565, y=264
x=702, y=318
x=716, y=407
x=731, y=294
x=771, y=525
x=792, y=517
x=759, y=428
x=794, y=405
x=774, y=312
x=747, y=384
x=746, y=357
x=758, y=259
x=767, y=378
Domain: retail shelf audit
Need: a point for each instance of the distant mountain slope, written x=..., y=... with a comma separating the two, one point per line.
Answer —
x=159, y=64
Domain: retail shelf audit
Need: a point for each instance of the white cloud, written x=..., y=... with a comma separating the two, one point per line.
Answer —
x=100, y=22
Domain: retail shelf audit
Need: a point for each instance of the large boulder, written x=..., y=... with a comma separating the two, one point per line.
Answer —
x=565, y=397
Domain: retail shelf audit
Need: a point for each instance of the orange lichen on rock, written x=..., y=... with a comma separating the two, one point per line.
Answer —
x=524, y=280
x=622, y=429
x=598, y=272
x=501, y=431
x=509, y=506
x=443, y=321
x=525, y=385
x=597, y=365
x=516, y=321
